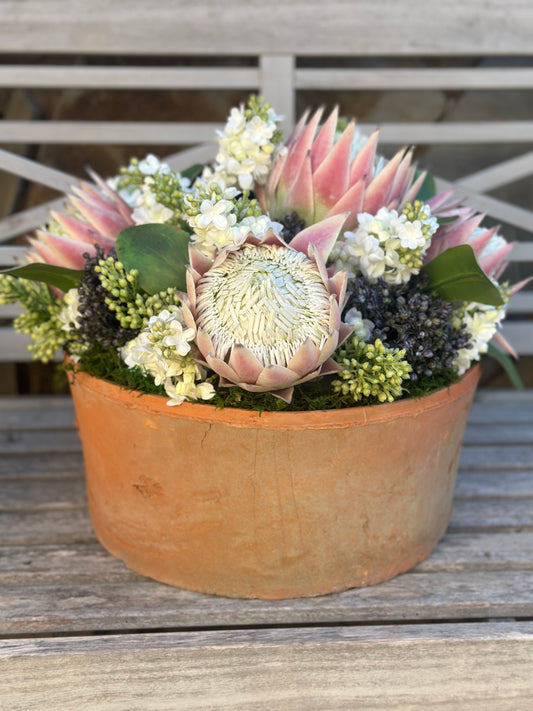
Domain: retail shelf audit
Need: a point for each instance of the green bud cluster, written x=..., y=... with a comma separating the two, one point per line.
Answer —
x=130, y=175
x=40, y=319
x=131, y=306
x=372, y=372
x=245, y=206
x=168, y=191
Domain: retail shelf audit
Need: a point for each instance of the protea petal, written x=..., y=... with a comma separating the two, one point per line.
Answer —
x=480, y=241
x=452, y=236
x=298, y=152
x=504, y=343
x=274, y=377
x=322, y=235
x=491, y=262
x=331, y=177
x=323, y=143
x=300, y=195
x=378, y=191
x=245, y=364
x=410, y=194
x=351, y=202
x=305, y=359
x=108, y=223
x=82, y=231
x=60, y=251
x=363, y=162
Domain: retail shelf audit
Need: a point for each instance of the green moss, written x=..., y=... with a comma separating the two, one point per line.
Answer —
x=105, y=363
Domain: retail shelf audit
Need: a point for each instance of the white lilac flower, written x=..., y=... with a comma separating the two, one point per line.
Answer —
x=388, y=244
x=68, y=316
x=481, y=323
x=163, y=351
x=266, y=316
x=362, y=327
x=147, y=209
x=246, y=146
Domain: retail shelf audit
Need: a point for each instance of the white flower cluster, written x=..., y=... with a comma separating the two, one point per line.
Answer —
x=481, y=322
x=245, y=148
x=387, y=245
x=215, y=222
x=147, y=209
x=162, y=350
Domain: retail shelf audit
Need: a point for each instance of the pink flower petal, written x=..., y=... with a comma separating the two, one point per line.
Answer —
x=323, y=143
x=245, y=364
x=331, y=178
x=275, y=377
x=300, y=197
x=378, y=191
x=81, y=231
x=491, y=262
x=110, y=224
x=299, y=150
x=322, y=235
x=305, y=359
x=60, y=251
x=352, y=202
x=363, y=162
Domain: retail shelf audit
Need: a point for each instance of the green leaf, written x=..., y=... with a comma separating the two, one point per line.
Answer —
x=158, y=252
x=428, y=188
x=192, y=172
x=508, y=365
x=456, y=276
x=60, y=277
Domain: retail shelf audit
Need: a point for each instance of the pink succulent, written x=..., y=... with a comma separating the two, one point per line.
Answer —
x=98, y=216
x=267, y=315
x=316, y=175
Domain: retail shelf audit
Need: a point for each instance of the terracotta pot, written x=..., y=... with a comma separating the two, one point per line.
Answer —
x=275, y=505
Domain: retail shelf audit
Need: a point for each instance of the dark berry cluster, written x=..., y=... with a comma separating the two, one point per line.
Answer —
x=408, y=316
x=292, y=224
x=97, y=323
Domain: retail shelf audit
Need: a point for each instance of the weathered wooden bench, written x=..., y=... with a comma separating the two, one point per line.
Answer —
x=77, y=630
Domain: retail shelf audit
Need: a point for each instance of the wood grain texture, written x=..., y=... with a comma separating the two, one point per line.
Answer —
x=467, y=667
x=338, y=27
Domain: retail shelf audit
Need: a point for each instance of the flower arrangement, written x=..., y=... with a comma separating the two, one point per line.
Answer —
x=306, y=274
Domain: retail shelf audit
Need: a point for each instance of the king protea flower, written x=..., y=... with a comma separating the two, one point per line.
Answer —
x=267, y=315
x=96, y=215
x=316, y=175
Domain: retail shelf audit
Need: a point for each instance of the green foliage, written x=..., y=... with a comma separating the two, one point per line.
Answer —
x=158, y=253
x=508, y=365
x=455, y=275
x=60, y=277
x=40, y=319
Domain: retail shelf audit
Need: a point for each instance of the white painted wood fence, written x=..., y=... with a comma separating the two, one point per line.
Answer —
x=276, y=36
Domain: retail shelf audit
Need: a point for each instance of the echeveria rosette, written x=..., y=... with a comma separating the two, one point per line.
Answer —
x=267, y=315
x=316, y=175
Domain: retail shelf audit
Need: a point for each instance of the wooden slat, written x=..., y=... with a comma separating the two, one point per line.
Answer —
x=277, y=86
x=51, y=465
x=135, y=604
x=36, y=172
x=108, y=132
x=165, y=132
x=27, y=220
x=421, y=78
x=398, y=668
x=112, y=77
x=429, y=28
x=503, y=173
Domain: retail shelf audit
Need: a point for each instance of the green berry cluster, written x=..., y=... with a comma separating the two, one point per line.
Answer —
x=131, y=306
x=372, y=372
x=40, y=319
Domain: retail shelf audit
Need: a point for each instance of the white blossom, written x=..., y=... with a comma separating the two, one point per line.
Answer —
x=481, y=323
x=147, y=209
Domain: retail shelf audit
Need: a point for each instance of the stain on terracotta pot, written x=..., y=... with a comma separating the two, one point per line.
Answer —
x=272, y=505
